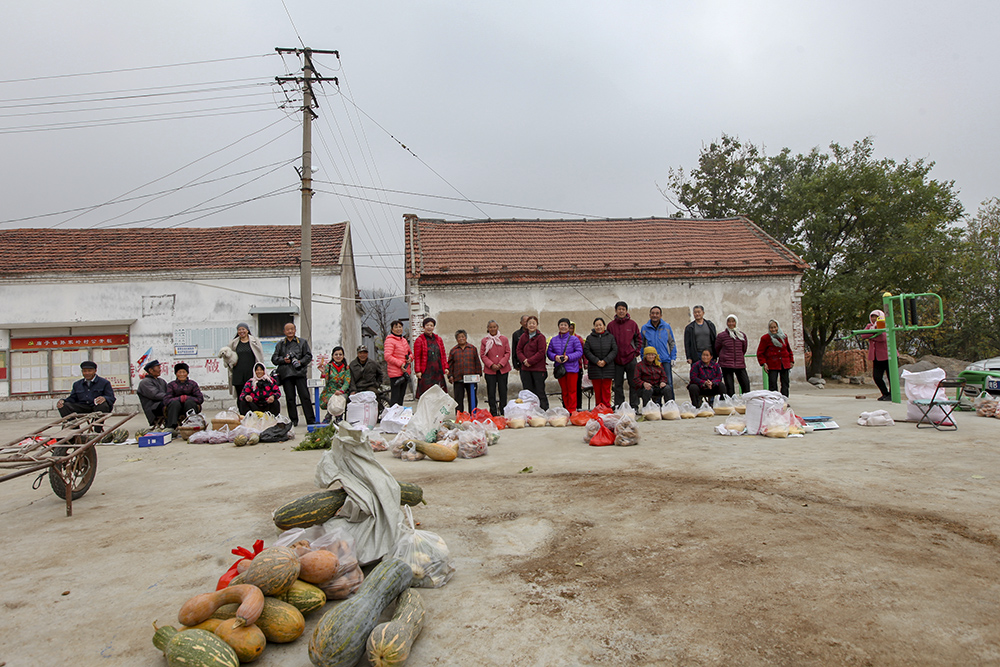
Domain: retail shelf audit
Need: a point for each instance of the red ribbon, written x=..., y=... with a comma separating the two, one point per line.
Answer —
x=246, y=554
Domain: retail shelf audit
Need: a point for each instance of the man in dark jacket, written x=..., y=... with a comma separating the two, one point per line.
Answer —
x=514, y=337
x=629, y=340
x=366, y=375
x=91, y=394
x=699, y=335
x=292, y=356
x=151, y=391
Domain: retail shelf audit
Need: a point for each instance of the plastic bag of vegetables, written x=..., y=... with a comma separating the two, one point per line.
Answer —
x=210, y=437
x=627, y=431
x=557, y=416
x=425, y=553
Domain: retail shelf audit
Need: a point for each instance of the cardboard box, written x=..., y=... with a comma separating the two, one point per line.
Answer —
x=155, y=439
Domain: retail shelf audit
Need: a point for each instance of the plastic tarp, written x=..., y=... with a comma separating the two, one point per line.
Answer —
x=371, y=513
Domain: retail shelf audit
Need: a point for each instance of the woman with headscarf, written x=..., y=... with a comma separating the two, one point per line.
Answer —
x=650, y=380
x=260, y=392
x=730, y=348
x=494, y=351
x=248, y=351
x=429, y=359
x=774, y=353
x=338, y=378
x=878, y=354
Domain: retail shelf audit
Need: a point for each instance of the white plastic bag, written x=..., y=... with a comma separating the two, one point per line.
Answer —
x=687, y=410
x=363, y=397
x=670, y=410
x=336, y=405
x=433, y=408
x=425, y=552
x=557, y=417
x=528, y=397
x=627, y=431
x=395, y=418
x=651, y=412
x=723, y=406
x=923, y=386
x=758, y=403
x=875, y=418
x=705, y=410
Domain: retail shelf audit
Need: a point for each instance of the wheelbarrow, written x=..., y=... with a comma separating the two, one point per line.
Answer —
x=64, y=450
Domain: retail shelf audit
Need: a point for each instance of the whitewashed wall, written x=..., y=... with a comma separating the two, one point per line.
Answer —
x=753, y=300
x=163, y=303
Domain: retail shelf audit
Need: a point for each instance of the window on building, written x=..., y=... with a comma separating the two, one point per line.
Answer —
x=272, y=325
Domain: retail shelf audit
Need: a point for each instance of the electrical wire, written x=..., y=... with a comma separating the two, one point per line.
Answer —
x=410, y=208
x=132, y=106
x=135, y=69
x=117, y=94
x=294, y=29
x=179, y=169
x=26, y=129
x=410, y=151
x=279, y=164
x=152, y=194
x=488, y=203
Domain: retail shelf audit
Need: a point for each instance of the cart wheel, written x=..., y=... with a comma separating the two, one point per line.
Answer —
x=86, y=470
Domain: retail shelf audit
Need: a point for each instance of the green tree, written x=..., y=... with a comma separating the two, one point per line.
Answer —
x=863, y=224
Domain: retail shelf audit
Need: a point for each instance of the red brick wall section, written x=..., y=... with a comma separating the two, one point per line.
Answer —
x=849, y=362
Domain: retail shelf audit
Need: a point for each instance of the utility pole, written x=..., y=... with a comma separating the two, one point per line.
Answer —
x=305, y=174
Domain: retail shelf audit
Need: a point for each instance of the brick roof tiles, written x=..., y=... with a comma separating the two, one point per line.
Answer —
x=532, y=251
x=90, y=251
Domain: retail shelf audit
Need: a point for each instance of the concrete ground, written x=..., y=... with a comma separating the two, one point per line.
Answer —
x=860, y=546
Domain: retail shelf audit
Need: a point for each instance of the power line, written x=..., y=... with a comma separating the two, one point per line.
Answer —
x=152, y=194
x=224, y=82
x=488, y=203
x=179, y=169
x=294, y=29
x=133, y=97
x=124, y=106
x=410, y=208
x=26, y=129
x=134, y=69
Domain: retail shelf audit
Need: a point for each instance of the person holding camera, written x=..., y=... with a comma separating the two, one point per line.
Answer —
x=292, y=356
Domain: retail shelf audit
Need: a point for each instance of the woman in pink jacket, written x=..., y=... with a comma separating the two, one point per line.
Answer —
x=494, y=350
x=878, y=354
x=397, y=360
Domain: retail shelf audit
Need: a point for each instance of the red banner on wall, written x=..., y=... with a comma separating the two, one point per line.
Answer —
x=60, y=342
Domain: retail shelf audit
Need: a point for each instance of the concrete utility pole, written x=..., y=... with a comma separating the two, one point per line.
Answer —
x=305, y=174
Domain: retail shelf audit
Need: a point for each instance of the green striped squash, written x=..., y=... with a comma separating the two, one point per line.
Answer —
x=340, y=636
x=319, y=507
x=194, y=648
x=389, y=643
x=304, y=596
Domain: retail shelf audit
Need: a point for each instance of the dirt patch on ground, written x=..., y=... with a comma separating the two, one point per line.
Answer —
x=661, y=568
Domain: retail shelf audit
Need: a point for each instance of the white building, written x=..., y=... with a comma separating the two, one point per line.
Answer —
x=465, y=273
x=122, y=297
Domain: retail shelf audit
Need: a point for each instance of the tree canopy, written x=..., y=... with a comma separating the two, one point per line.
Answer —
x=865, y=225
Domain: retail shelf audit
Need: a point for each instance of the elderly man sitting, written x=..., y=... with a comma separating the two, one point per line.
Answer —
x=91, y=394
x=151, y=391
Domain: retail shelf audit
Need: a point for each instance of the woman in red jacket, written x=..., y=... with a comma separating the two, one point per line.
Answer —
x=397, y=361
x=429, y=358
x=775, y=356
x=531, y=349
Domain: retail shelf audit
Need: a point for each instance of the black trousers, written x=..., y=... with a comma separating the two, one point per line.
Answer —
x=534, y=381
x=657, y=394
x=290, y=386
x=496, y=384
x=623, y=377
x=69, y=408
x=697, y=393
x=397, y=389
x=740, y=374
x=773, y=375
x=177, y=409
x=273, y=407
x=464, y=390
x=880, y=371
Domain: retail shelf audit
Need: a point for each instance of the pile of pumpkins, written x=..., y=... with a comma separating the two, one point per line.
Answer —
x=268, y=600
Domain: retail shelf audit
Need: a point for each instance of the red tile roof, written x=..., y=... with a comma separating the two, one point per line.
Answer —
x=532, y=251
x=90, y=251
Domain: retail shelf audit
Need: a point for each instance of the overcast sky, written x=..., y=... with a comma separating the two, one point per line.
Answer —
x=578, y=108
